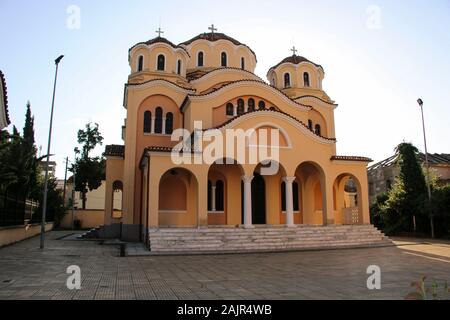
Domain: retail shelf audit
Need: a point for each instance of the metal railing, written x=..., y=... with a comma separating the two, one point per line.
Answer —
x=16, y=210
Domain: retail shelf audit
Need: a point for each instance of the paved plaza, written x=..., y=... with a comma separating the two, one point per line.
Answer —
x=28, y=273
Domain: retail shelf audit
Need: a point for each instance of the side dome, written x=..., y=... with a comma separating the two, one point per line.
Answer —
x=158, y=58
x=217, y=50
x=296, y=73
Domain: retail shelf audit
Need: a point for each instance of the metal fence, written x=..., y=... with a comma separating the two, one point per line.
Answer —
x=16, y=210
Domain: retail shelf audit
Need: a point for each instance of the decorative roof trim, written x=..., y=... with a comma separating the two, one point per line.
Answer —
x=211, y=73
x=237, y=83
x=314, y=97
x=156, y=82
x=4, y=94
x=351, y=158
x=281, y=115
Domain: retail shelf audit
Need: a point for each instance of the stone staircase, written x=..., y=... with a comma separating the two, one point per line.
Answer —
x=264, y=239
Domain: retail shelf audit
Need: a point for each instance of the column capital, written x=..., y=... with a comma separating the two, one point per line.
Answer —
x=247, y=179
x=289, y=179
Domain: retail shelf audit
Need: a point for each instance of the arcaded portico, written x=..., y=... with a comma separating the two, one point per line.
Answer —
x=207, y=86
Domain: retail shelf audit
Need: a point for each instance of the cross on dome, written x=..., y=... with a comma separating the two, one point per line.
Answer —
x=294, y=51
x=159, y=31
x=212, y=29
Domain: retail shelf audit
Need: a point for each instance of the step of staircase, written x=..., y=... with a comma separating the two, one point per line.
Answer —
x=263, y=239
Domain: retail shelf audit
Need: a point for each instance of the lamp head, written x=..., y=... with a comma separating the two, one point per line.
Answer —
x=58, y=60
x=420, y=102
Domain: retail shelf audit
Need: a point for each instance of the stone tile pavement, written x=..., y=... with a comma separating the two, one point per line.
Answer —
x=28, y=273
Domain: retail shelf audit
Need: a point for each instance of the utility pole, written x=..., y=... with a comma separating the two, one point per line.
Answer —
x=44, y=205
x=427, y=164
x=65, y=182
x=73, y=194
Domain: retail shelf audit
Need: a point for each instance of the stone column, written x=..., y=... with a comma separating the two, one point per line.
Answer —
x=247, y=201
x=289, y=201
x=213, y=198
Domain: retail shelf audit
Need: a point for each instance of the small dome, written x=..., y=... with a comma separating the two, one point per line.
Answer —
x=295, y=59
x=212, y=37
x=159, y=40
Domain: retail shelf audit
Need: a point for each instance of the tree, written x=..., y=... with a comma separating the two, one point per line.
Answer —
x=89, y=171
x=405, y=206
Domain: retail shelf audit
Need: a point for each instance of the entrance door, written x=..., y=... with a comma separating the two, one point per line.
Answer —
x=258, y=200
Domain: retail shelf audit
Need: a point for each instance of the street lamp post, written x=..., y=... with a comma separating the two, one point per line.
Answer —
x=427, y=165
x=44, y=206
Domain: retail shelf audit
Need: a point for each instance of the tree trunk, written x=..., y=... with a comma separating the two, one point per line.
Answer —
x=84, y=200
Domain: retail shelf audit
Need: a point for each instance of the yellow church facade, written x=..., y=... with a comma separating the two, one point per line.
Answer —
x=217, y=176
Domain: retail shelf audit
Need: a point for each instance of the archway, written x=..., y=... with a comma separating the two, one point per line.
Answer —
x=312, y=190
x=178, y=189
x=347, y=200
x=258, y=199
x=224, y=192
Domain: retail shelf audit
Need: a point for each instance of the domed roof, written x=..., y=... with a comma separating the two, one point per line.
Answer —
x=215, y=37
x=160, y=40
x=295, y=59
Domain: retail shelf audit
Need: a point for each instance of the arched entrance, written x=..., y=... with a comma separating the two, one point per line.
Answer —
x=178, y=189
x=258, y=199
x=224, y=194
x=346, y=200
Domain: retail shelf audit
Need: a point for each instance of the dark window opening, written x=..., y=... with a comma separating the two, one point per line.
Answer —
x=179, y=67
x=158, y=120
x=318, y=130
x=200, y=59
x=220, y=196
x=147, y=122
x=242, y=63
x=240, y=107
x=230, y=109
x=262, y=105
x=161, y=62
x=224, y=59
x=287, y=80
x=169, y=123
x=251, y=104
x=140, y=63
x=306, y=79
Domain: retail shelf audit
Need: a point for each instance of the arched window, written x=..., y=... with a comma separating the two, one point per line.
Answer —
x=317, y=129
x=274, y=82
x=140, y=63
x=240, y=107
x=310, y=124
x=242, y=63
x=251, y=104
x=287, y=80
x=223, y=59
x=147, y=122
x=179, y=67
x=220, y=196
x=272, y=108
x=161, y=62
x=306, y=79
x=200, y=59
x=230, y=109
x=209, y=195
x=169, y=123
x=158, y=120
x=261, y=105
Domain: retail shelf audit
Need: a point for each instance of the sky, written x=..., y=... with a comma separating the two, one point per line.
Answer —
x=379, y=58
